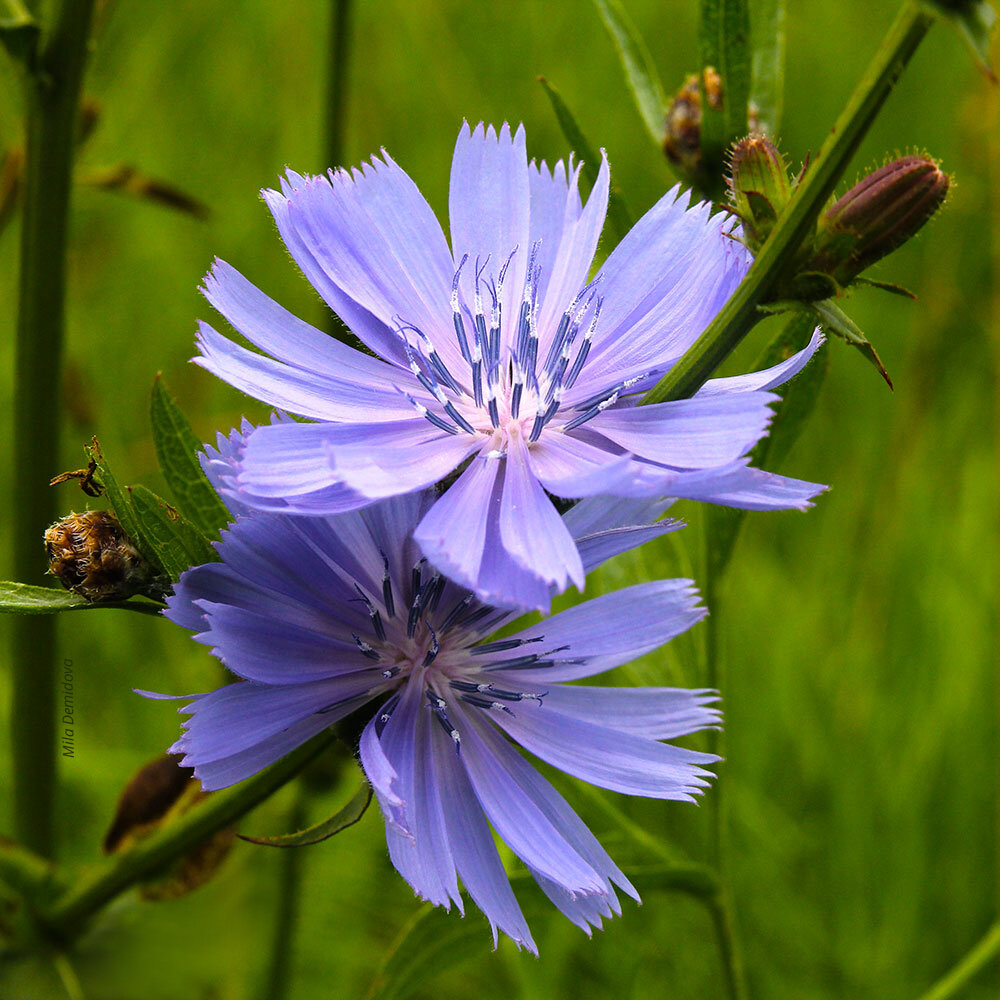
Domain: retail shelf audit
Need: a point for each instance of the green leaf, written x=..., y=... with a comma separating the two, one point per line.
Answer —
x=619, y=217
x=798, y=398
x=724, y=45
x=158, y=530
x=975, y=20
x=176, y=449
x=835, y=321
x=121, y=503
x=640, y=72
x=436, y=940
x=177, y=544
x=341, y=820
x=25, y=599
x=768, y=65
x=19, y=32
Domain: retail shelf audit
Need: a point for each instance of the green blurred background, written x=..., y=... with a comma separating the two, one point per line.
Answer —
x=861, y=700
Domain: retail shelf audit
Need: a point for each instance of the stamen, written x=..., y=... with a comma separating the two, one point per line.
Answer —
x=591, y=413
x=436, y=420
x=463, y=343
x=374, y=614
x=477, y=616
x=367, y=650
x=584, y=347
x=614, y=390
x=386, y=714
x=459, y=609
x=542, y=419
x=496, y=706
x=415, y=574
x=438, y=706
x=502, y=644
x=387, y=598
x=434, y=649
x=449, y=408
x=391, y=672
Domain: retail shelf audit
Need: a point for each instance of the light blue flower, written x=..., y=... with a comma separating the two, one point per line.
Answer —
x=320, y=616
x=496, y=357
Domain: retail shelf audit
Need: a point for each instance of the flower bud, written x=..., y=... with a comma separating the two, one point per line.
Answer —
x=759, y=186
x=91, y=555
x=880, y=213
x=682, y=139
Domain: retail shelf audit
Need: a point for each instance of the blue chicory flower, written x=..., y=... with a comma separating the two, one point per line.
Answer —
x=320, y=616
x=497, y=357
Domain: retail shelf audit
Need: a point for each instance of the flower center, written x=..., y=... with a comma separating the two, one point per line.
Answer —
x=504, y=389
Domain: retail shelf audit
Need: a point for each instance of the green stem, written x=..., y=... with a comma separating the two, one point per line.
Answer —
x=278, y=981
x=986, y=949
x=738, y=316
x=724, y=911
x=335, y=117
x=729, y=951
x=336, y=83
x=67, y=917
x=52, y=99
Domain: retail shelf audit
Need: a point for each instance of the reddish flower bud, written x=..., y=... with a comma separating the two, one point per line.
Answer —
x=880, y=213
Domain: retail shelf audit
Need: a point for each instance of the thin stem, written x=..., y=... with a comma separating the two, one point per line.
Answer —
x=335, y=116
x=52, y=99
x=986, y=949
x=278, y=980
x=738, y=316
x=723, y=908
x=66, y=919
x=729, y=950
x=336, y=83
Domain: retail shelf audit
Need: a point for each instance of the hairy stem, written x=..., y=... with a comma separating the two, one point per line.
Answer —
x=67, y=917
x=52, y=99
x=738, y=316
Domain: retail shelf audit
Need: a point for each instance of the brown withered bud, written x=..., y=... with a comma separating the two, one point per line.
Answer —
x=879, y=214
x=157, y=793
x=147, y=798
x=91, y=555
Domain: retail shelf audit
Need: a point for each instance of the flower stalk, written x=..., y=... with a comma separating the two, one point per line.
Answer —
x=52, y=92
x=740, y=313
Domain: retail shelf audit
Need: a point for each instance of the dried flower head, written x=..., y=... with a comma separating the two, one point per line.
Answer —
x=91, y=555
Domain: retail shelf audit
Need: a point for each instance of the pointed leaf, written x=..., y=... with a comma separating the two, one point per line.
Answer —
x=121, y=502
x=618, y=214
x=767, y=89
x=176, y=448
x=177, y=545
x=640, y=72
x=25, y=599
x=341, y=820
x=834, y=320
x=724, y=47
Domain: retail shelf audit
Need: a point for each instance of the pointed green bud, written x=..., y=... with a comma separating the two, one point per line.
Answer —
x=759, y=186
x=879, y=214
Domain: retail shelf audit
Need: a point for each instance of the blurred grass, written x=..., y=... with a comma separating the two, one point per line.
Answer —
x=861, y=638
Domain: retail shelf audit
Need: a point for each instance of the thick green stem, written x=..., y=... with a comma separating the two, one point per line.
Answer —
x=949, y=986
x=52, y=100
x=738, y=316
x=66, y=919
